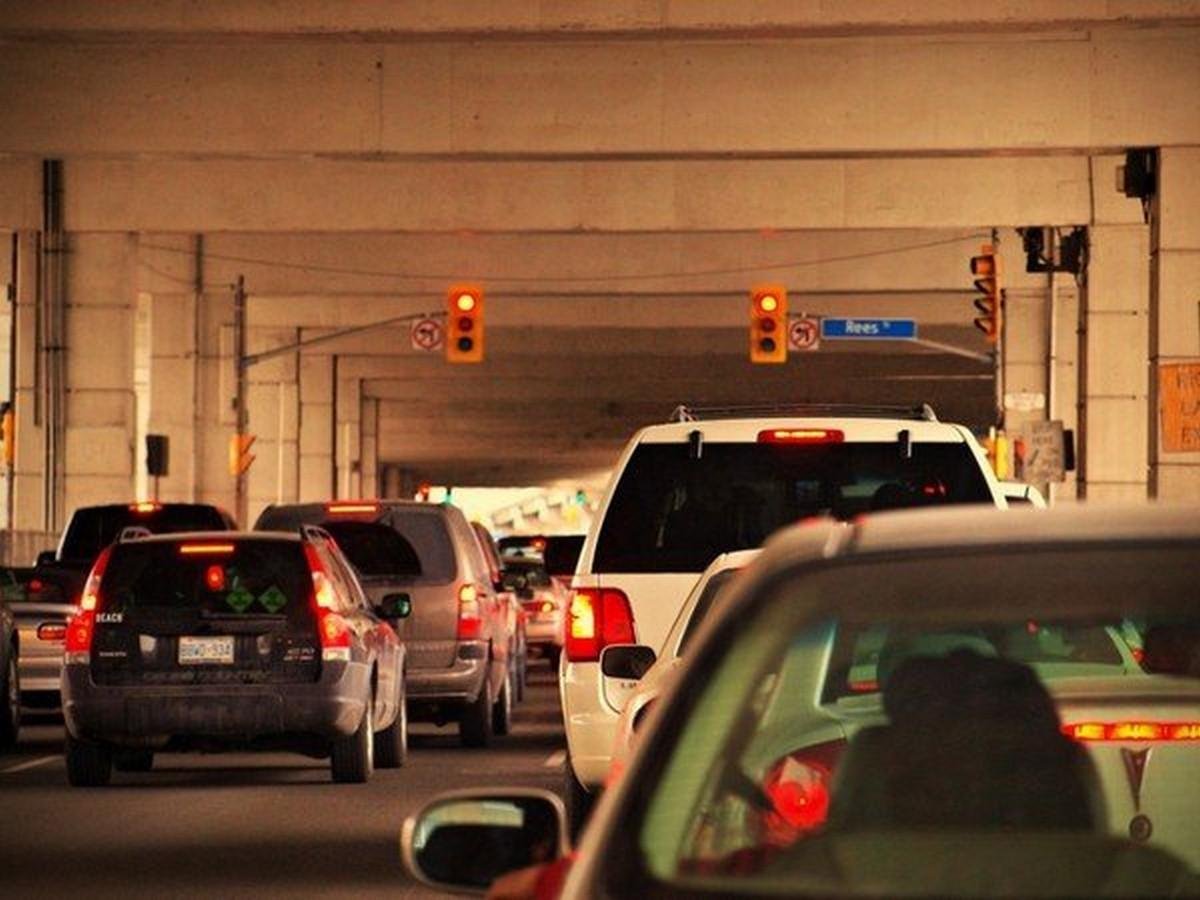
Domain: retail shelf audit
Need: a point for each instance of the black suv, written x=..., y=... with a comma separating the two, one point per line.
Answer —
x=215, y=640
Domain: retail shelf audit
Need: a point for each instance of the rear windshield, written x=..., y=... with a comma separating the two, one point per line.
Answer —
x=562, y=553
x=258, y=577
x=375, y=549
x=94, y=528
x=671, y=513
x=534, y=574
x=393, y=543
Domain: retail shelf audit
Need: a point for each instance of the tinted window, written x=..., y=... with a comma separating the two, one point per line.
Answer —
x=257, y=578
x=428, y=535
x=562, y=553
x=704, y=605
x=375, y=549
x=94, y=528
x=671, y=513
x=534, y=574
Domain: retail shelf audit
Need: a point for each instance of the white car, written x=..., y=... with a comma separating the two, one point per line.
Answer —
x=1017, y=493
x=925, y=704
x=719, y=480
x=635, y=698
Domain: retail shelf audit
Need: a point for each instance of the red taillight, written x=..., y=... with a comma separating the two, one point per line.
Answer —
x=332, y=630
x=80, y=630
x=35, y=586
x=90, y=599
x=222, y=549
x=214, y=578
x=348, y=509
x=1133, y=731
x=470, y=619
x=798, y=787
x=596, y=618
x=51, y=631
x=801, y=436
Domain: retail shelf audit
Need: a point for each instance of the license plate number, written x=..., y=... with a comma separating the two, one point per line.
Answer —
x=202, y=651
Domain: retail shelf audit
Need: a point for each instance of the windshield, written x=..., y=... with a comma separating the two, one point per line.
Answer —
x=374, y=549
x=672, y=513
x=861, y=748
x=94, y=528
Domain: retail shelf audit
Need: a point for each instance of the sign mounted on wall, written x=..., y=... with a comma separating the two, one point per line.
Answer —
x=427, y=335
x=1179, y=406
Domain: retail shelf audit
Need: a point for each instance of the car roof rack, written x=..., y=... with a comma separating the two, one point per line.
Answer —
x=921, y=413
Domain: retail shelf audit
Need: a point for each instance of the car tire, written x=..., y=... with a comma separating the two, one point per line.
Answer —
x=88, y=764
x=133, y=760
x=475, y=724
x=502, y=708
x=352, y=758
x=391, y=744
x=578, y=800
x=10, y=702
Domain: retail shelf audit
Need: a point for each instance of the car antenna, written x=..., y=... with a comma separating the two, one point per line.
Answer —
x=695, y=444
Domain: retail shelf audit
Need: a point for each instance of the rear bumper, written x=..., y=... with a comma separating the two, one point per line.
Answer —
x=40, y=673
x=457, y=683
x=591, y=724
x=544, y=634
x=329, y=708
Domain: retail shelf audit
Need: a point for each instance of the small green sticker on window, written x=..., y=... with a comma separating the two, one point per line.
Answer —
x=239, y=599
x=273, y=599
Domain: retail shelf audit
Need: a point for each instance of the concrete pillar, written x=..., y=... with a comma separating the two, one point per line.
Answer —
x=316, y=427
x=1113, y=380
x=348, y=438
x=370, y=446
x=100, y=414
x=28, y=506
x=272, y=399
x=1174, y=421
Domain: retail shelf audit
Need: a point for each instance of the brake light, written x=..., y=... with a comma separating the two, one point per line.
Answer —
x=801, y=436
x=35, y=586
x=51, y=631
x=214, y=578
x=90, y=599
x=205, y=549
x=351, y=508
x=146, y=506
x=798, y=788
x=332, y=630
x=1133, y=731
x=470, y=620
x=596, y=618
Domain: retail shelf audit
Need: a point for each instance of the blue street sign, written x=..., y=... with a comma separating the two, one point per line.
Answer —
x=868, y=329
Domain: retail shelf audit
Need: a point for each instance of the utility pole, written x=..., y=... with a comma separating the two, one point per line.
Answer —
x=239, y=353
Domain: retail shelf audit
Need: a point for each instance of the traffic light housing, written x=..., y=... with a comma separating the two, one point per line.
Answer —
x=8, y=433
x=240, y=456
x=464, y=324
x=768, y=324
x=986, y=269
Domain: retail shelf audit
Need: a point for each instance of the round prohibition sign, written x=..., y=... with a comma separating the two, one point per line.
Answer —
x=426, y=334
x=804, y=334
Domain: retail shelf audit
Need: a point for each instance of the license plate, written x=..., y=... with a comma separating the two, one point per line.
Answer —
x=204, y=651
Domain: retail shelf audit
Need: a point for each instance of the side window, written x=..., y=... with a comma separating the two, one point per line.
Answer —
x=337, y=574
x=353, y=588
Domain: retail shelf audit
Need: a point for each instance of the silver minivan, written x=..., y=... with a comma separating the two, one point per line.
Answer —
x=458, y=667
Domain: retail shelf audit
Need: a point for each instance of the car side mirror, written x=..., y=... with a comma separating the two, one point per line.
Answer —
x=395, y=606
x=622, y=666
x=464, y=840
x=46, y=558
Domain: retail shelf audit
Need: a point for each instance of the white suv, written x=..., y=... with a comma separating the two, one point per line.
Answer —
x=717, y=480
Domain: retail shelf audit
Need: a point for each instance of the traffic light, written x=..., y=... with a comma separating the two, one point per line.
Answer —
x=8, y=433
x=986, y=269
x=464, y=324
x=240, y=456
x=768, y=324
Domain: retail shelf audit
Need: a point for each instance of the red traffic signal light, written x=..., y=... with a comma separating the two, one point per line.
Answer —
x=768, y=324
x=986, y=269
x=464, y=324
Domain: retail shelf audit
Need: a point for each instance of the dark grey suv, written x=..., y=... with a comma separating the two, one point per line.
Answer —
x=216, y=640
x=458, y=636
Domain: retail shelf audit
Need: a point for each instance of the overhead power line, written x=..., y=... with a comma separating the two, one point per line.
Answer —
x=566, y=279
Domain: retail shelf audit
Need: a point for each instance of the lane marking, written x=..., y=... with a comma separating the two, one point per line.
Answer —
x=31, y=764
x=555, y=759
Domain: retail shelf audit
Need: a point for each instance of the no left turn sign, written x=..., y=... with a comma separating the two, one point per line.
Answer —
x=426, y=335
x=804, y=334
